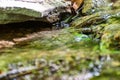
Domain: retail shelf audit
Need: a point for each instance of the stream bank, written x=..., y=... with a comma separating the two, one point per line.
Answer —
x=91, y=44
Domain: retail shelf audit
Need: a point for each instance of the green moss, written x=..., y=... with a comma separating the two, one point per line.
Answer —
x=23, y=11
x=11, y=18
x=111, y=34
x=75, y=49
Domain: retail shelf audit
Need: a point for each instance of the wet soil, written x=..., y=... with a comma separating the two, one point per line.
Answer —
x=15, y=30
x=9, y=32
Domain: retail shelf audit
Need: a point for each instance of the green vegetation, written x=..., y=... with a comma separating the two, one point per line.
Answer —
x=92, y=41
x=73, y=50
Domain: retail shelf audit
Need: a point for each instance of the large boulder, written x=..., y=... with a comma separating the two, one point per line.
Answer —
x=23, y=10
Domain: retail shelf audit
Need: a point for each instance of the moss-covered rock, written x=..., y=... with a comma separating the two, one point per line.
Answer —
x=103, y=24
x=111, y=36
x=22, y=10
x=91, y=6
x=94, y=19
x=116, y=4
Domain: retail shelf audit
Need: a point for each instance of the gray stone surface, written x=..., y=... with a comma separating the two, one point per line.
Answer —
x=23, y=10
